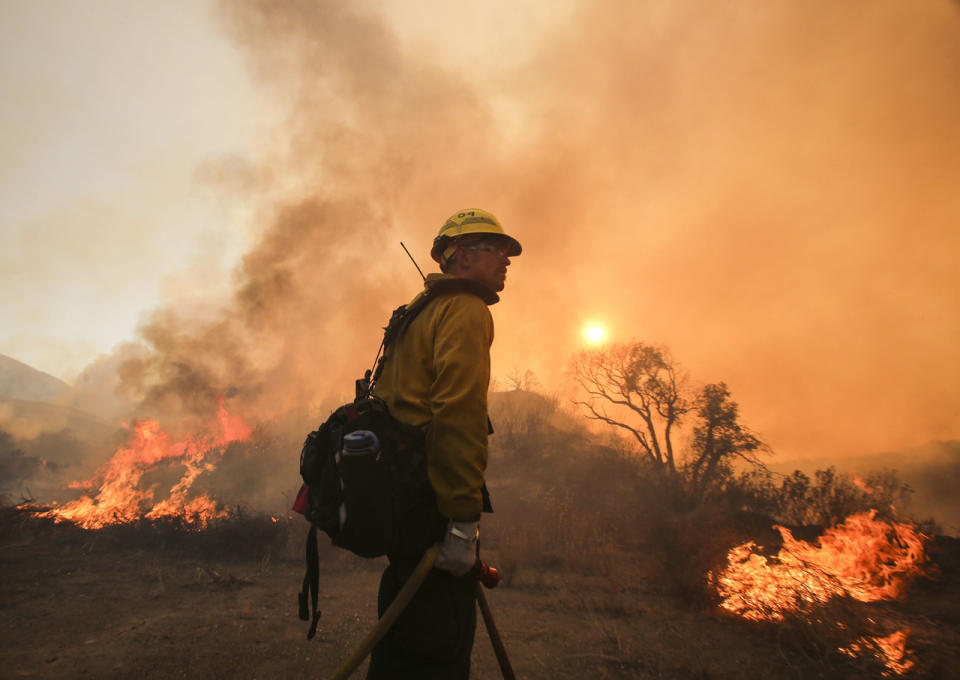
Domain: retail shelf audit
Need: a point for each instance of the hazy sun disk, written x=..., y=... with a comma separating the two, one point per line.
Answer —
x=594, y=333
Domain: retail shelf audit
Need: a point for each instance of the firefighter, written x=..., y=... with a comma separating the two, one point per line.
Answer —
x=436, y=377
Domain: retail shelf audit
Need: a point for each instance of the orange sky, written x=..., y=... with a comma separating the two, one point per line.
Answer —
x=767, y=188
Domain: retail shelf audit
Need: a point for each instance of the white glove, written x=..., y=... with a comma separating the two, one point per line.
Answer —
x=458, y=552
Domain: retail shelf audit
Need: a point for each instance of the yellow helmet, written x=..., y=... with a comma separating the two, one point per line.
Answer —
x=472, y=222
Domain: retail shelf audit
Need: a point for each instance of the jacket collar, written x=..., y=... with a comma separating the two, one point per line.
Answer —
x=447, y=284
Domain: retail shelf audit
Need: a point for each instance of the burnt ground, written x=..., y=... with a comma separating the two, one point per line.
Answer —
x=150, y=603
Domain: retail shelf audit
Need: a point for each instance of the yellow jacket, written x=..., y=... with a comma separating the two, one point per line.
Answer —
x=436, y=377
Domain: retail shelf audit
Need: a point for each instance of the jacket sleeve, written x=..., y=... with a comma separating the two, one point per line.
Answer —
x=457, y=434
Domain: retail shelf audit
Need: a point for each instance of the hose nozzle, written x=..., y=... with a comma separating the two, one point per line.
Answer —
x=487, y=575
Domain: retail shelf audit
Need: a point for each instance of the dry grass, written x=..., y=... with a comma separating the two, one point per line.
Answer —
x=239, y=536
x=635, y=587
x=579, y=527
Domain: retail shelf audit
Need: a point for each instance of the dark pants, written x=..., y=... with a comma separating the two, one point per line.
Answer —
x=433, y=637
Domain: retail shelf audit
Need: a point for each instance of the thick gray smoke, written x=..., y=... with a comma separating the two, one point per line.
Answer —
x=767, y=188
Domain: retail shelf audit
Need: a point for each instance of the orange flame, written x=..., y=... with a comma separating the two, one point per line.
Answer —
x=119, y=498
x=862, y=485
x=863, y=558
x=891, y=649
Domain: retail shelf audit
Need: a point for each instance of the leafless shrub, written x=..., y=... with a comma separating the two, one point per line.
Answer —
x=684, y=547
x=796, y=499
x=522, y=421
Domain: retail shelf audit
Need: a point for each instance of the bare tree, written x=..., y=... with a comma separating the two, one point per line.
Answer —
x=638, y=388
x=518, y=379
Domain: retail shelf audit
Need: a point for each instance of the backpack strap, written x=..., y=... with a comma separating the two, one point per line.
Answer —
x=311, y=584
x=404, y=315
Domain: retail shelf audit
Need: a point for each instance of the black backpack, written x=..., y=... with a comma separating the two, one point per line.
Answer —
x=362, y=468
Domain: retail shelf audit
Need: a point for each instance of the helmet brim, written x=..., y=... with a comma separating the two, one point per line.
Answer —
x=441, y=243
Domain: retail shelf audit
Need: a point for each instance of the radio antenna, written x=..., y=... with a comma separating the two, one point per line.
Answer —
x=414, y=261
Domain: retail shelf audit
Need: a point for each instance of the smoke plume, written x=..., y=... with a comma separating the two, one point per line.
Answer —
x=767, y=188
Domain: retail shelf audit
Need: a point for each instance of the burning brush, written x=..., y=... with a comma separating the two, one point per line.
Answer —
x=120, y=498
x=863, y=558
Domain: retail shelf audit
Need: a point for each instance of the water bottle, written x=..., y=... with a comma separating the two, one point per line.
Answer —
x=366, y=511
x=361, y=443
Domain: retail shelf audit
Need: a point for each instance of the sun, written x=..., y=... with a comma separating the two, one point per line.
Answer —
x=594, y=333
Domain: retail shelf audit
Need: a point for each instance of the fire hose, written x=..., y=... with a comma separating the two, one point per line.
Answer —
x=485, y=575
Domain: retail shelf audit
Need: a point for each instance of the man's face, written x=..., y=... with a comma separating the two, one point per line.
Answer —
x=484, y=261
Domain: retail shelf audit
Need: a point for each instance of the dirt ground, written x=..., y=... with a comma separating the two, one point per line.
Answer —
x=78, y=606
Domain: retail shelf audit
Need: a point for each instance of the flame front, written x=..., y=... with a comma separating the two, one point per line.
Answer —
x=120, y=499
x=863, y=558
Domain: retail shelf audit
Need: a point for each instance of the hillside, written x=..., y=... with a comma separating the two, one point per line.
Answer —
x=29, y=418
x=45, y=441
x=21, y=382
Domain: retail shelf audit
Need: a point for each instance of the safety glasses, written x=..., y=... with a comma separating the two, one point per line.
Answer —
x=501, y=249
